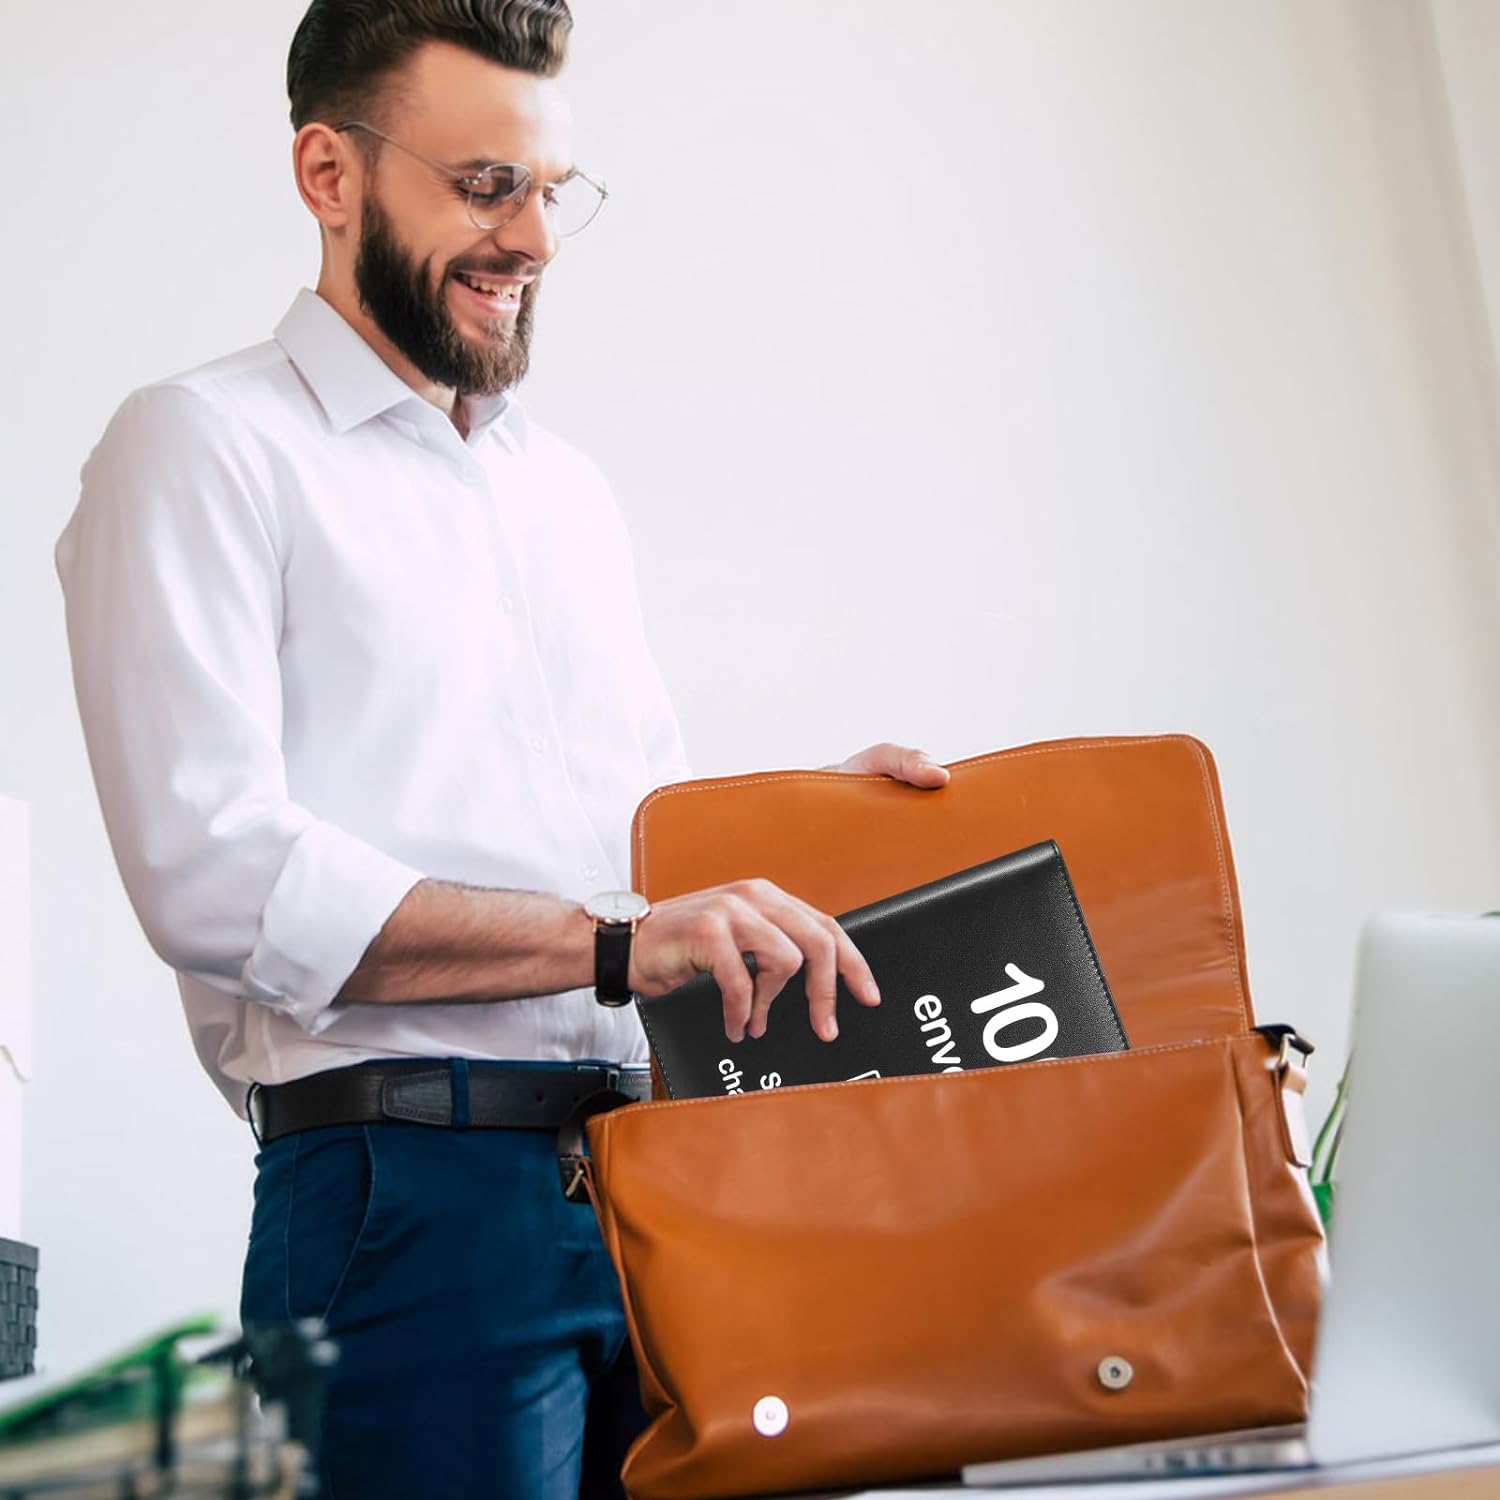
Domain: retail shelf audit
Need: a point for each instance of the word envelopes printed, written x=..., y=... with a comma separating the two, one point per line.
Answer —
x=991, y=965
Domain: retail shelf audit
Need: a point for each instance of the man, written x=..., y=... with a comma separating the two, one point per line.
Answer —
x=369, y=705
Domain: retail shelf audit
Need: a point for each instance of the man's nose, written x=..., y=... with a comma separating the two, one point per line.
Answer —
x=530, y=232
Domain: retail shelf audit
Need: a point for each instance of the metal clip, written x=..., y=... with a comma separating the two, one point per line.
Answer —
x=571, y=1185
x=1291, y=1042
x=1288, y=1041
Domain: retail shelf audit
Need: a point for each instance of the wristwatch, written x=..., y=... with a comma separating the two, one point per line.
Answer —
x=615, y=915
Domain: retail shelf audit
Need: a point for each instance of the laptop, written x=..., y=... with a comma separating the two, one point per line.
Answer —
x=1408, y=1353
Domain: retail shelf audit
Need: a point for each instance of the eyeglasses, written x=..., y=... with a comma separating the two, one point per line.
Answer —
x=497, y=193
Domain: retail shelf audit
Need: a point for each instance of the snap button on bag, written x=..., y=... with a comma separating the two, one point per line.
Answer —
x=1115, y=1373
x=770, y=1416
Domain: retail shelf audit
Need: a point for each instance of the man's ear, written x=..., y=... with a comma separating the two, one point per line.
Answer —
x=329, y=173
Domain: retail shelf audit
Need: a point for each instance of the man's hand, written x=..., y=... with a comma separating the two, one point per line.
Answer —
x=899, y=762
x=710, y=932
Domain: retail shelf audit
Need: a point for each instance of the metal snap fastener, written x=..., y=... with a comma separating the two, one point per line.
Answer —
x=770, y=1416
x=1115, y=1373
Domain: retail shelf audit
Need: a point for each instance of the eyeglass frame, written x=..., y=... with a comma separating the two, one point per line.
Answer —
x=469, y=180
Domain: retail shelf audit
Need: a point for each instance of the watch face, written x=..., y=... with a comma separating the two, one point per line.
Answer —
x=617, y=906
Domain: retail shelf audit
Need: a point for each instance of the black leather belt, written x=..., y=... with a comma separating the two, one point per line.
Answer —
x=486, y=1095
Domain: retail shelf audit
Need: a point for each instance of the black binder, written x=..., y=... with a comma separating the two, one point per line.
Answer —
x=990, y=966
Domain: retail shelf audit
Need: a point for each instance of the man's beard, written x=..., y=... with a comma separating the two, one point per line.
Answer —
x=398, y=296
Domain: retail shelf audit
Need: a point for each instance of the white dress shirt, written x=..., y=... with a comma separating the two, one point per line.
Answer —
x=323, y=646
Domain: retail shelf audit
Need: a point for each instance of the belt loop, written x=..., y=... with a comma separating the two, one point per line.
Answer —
x=459, y=1068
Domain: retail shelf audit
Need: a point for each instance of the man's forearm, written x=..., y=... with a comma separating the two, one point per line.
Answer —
x=453, y=942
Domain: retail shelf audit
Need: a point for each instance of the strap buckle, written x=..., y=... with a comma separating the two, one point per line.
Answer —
x=572, y=1170
x=572, y=1143
x=1288, y=1040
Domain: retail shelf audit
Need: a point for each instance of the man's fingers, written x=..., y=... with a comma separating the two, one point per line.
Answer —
x=846, y=960
x=764, y=959
x=776, y=961
x=727, y=964
x=820, y=973
x=857, y=973
x=899, y=762
x=920, y=769
x=830, y=953
x=777, y=933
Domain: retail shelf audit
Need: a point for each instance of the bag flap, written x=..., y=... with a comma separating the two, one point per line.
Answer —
x=1139, y=821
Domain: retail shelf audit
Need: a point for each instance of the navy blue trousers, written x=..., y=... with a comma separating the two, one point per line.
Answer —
x=482, y=1345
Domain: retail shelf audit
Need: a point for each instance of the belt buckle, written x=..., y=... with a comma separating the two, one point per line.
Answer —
x=607, y=1074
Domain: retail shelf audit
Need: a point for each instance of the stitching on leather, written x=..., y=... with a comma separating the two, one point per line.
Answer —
x=947, y=1080
x=651, y=1037
x=1260, y=1270
x=627, y=1300
x=1088, y=947
x=1228, y=905
x=1023, y=752
x=395, y=1093
x=686, y=788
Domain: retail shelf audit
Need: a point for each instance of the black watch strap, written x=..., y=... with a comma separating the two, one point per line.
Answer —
x=612, y=962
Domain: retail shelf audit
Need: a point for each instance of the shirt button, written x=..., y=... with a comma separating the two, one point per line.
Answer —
x=538, y=743
x=507, y=604
x=590, y=872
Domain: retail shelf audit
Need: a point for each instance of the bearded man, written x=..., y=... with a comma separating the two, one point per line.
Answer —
x=369, y=705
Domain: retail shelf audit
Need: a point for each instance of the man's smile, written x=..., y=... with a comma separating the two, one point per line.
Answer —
x=497, y=296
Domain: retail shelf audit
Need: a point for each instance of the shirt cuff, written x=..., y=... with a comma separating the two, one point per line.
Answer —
x=329, y=903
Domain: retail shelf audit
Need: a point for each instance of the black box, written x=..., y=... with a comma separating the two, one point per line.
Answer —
x=17, y=1309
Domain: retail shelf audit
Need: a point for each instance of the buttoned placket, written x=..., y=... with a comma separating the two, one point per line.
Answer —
x=496, y=486
x=544, y=739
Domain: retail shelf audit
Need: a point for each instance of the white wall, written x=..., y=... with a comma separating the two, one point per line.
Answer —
x=972, y=373
x=15, y=1003
x=1467, y=38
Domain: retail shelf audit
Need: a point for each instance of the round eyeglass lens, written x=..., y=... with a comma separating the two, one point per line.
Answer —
x=497, y=195
x=572, y=204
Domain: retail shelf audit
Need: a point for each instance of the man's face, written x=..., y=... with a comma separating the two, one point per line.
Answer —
x=418, y=247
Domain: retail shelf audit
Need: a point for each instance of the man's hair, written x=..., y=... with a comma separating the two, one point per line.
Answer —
x=347, y=52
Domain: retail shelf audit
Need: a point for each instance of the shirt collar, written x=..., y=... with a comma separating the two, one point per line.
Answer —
x=353, y=383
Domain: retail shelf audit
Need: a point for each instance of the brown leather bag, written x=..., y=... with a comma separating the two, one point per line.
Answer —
x=864, y=1283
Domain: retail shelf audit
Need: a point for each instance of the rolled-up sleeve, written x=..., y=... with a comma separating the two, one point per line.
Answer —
x=171, y=569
